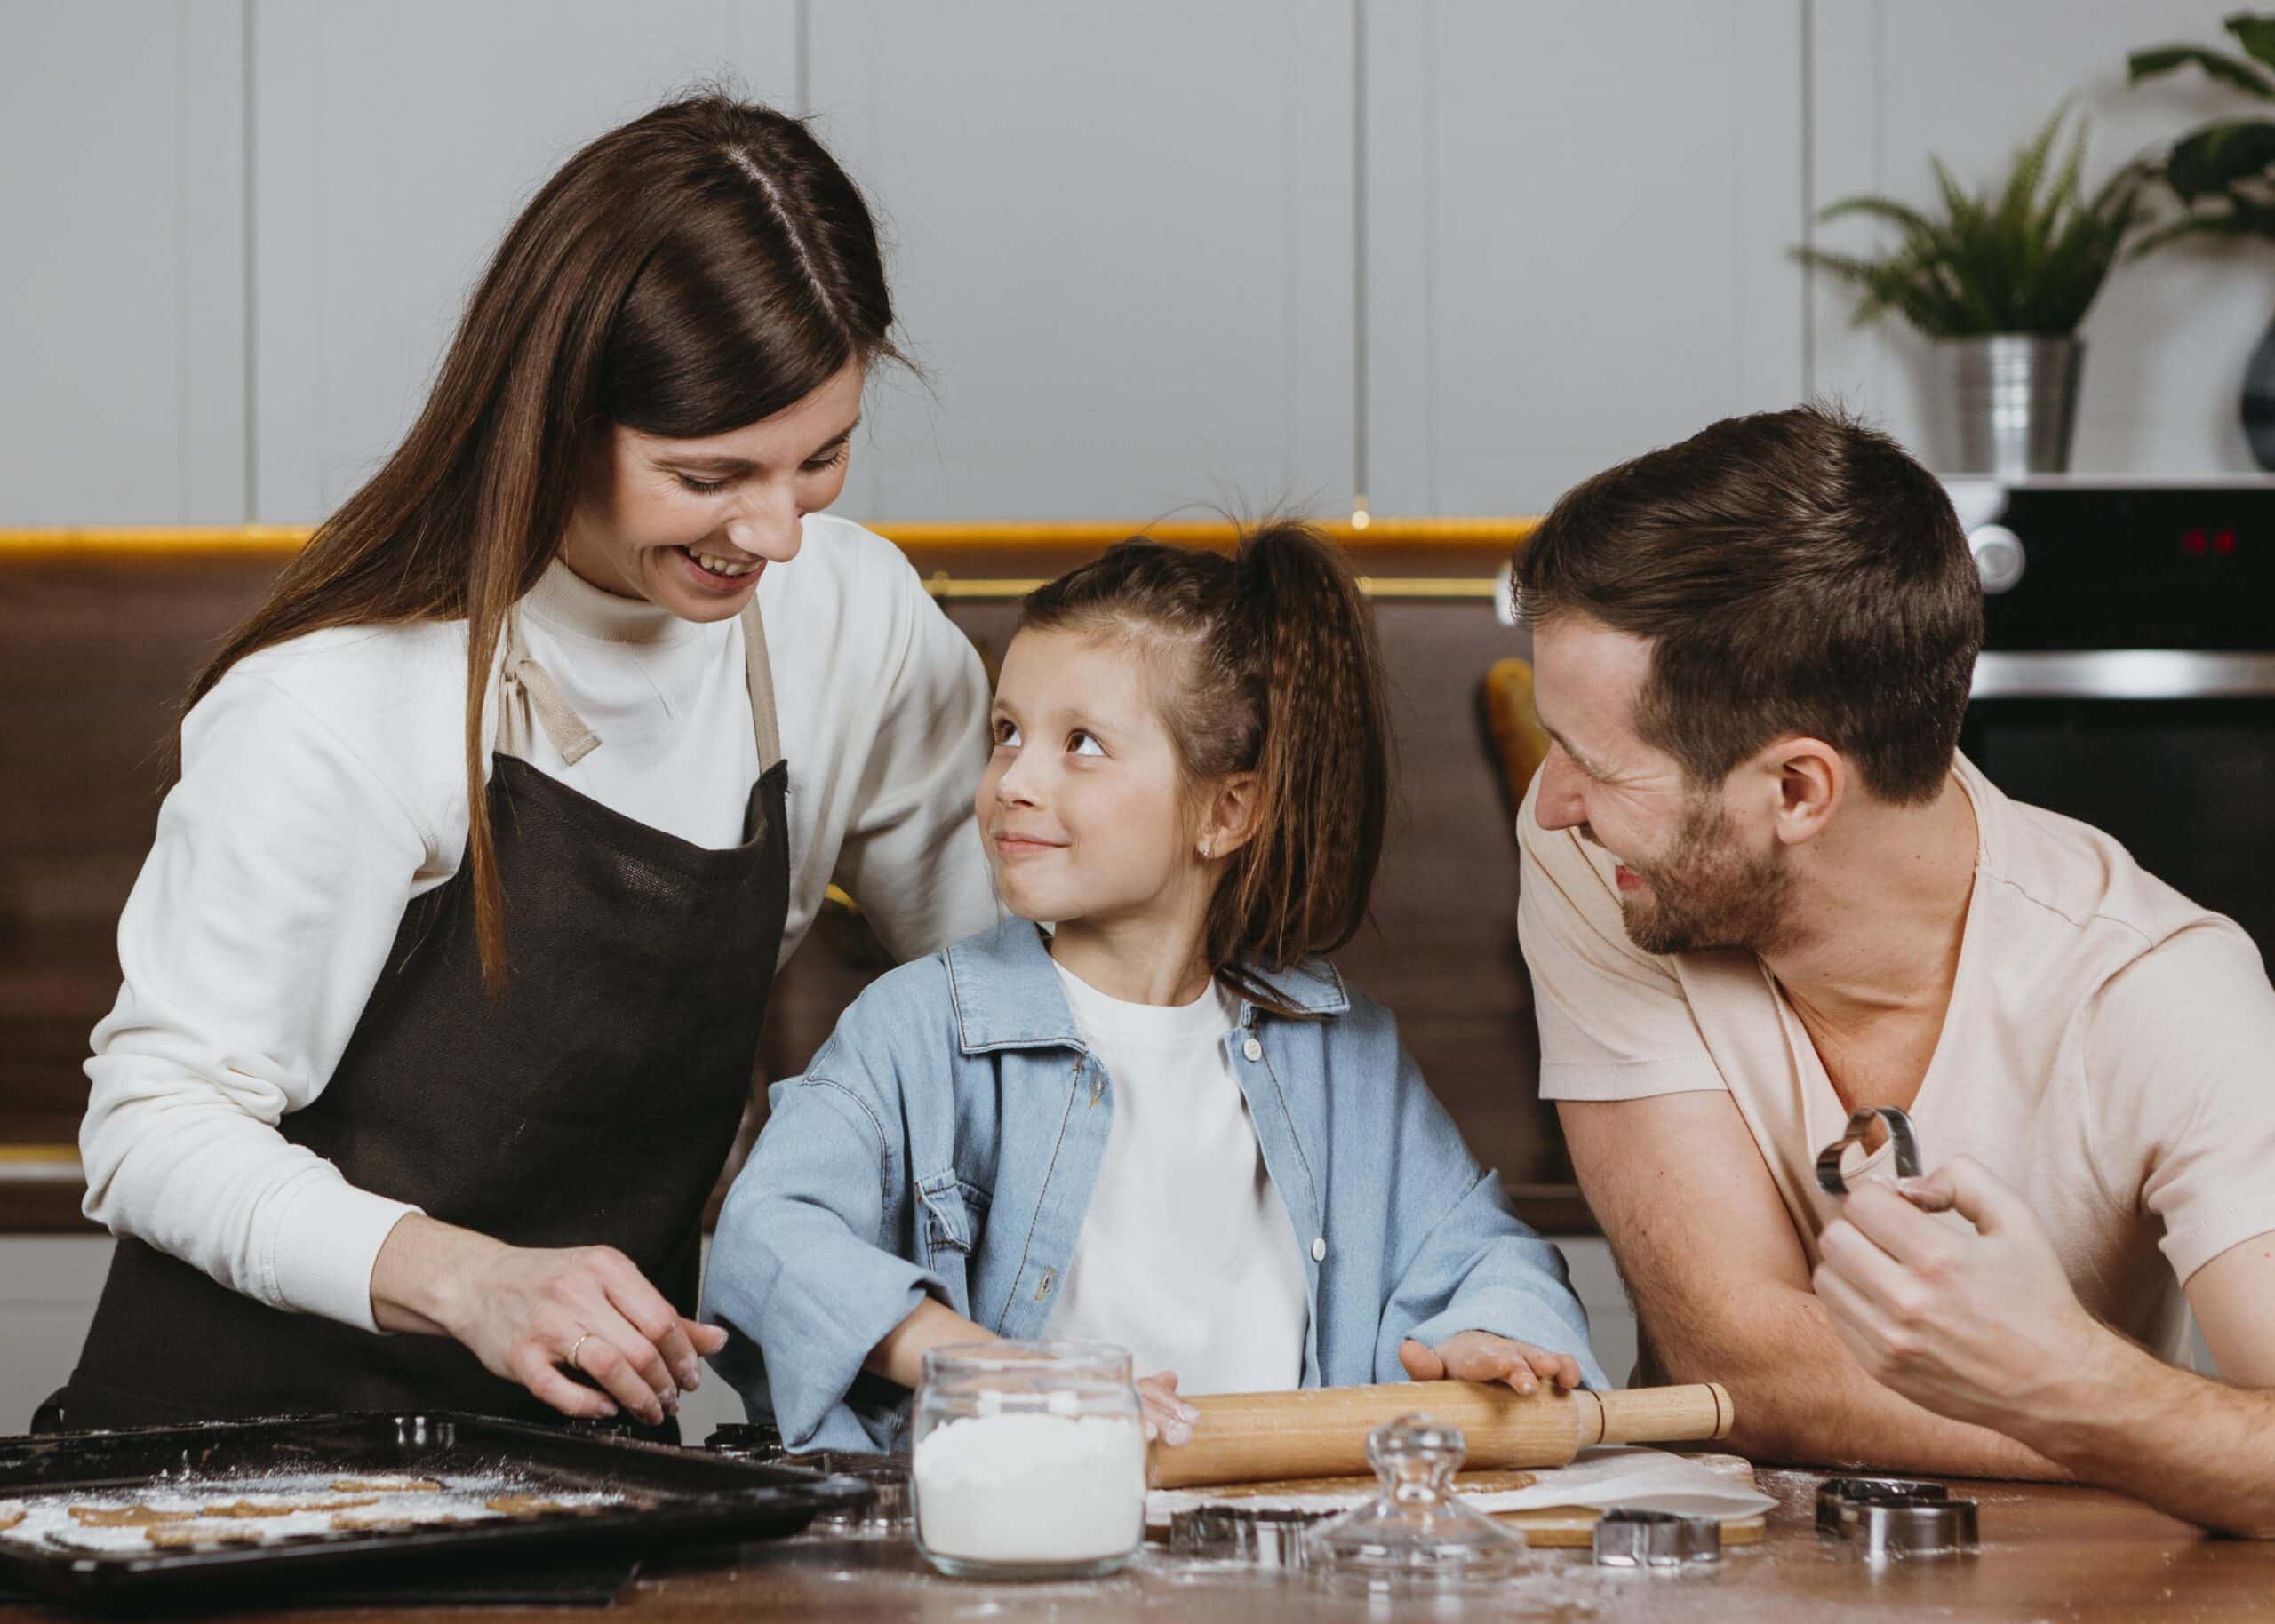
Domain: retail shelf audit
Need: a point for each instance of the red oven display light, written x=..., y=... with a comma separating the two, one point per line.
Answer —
x=2198, y=544
x=2223, y=542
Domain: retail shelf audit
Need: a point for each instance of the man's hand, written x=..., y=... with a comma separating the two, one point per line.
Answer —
x=1981, y=1327
x=1479, y=1356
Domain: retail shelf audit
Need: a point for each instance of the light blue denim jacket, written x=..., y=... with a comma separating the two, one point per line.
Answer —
x=946, y=1141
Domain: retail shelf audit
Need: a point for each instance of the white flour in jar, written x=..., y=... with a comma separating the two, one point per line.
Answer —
x=1031, y=1488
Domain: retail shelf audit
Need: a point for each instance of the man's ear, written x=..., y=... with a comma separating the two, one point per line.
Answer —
x=1811, y=780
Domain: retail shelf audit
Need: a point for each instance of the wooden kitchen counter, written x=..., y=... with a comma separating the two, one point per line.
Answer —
x=2079, y=1556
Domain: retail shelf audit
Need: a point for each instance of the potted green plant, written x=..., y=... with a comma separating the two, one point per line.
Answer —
x=1999, y=283
x=2221, y=178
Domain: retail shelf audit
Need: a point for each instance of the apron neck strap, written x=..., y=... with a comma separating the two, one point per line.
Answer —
x=758, y=673
x=530, y=698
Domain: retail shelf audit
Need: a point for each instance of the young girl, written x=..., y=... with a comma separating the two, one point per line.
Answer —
x=1163, y=1123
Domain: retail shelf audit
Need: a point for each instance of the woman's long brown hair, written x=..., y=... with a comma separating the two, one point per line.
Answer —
x=695, y=271
x=1273, y=667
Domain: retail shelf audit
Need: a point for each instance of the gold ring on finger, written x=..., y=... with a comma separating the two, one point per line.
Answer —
x=576, y=1347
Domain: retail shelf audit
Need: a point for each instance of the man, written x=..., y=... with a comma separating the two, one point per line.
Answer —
x=1761, y=890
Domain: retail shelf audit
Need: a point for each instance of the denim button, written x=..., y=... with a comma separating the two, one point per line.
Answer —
x=1252, y=1049
x=1319, y=1250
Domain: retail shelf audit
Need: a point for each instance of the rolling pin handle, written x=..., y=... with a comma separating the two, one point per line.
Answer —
x=1592, y=1418
x=1695, y=1414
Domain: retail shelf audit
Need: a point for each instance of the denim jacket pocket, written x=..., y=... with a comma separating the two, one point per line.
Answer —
x=950, y=1213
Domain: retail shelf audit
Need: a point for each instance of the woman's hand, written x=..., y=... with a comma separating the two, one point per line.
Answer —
x=1479, y=1356
x=1167, y=1418
x=531, y=1314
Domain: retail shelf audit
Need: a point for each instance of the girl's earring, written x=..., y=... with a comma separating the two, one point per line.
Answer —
x=1208, y=847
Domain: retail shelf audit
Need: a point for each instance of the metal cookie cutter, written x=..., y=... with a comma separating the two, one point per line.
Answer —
x=1264, y=1537
x=1630, y=1538
x=1872, y=1130
x=1837, y=1498
x=760, y=1441
x=1891, y=1517
x=889, y=1510
x=892, y=1506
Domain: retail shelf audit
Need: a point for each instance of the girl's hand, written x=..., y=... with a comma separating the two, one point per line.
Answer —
x=1479, y=1356
x=531, y=1315
x=1167, y=1418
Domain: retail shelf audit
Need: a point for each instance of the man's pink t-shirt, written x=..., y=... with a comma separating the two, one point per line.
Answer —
x=2109, y=1050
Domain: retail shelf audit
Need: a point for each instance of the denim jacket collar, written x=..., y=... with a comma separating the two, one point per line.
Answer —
x=1004, y=1000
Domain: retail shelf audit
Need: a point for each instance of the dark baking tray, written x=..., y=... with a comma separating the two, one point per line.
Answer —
x=693, y=1496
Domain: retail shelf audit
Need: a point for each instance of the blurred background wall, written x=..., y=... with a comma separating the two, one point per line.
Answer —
x=1453, y=256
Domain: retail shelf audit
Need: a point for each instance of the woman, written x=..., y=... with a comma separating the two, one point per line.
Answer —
x=444, y=976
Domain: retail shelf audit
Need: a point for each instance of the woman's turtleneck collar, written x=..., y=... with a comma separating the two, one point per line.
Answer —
x=568, y=604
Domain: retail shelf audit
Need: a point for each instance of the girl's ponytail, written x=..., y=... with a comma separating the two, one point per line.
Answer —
x=1300, y=885
x=1275, y=670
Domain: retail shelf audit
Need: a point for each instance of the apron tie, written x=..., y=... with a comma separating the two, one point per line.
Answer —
x=525, y=689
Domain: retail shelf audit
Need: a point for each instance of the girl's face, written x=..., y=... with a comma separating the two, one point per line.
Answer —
x=690, y=524
x=1082, y=807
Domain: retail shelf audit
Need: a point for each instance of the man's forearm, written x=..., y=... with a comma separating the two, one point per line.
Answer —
x=1729, y=1300
x=1801, y=1399
x=2191, y=1446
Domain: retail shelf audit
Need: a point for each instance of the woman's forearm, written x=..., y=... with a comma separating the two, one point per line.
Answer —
x=175, y=1159
x=415, y=1276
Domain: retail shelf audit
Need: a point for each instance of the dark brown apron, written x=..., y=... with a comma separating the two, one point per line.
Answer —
x=594, y=1104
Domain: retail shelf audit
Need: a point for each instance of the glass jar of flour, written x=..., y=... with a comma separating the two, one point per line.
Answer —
x=1030, y=1460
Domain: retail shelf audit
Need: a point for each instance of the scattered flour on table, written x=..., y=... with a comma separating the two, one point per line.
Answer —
x=1031, y=1487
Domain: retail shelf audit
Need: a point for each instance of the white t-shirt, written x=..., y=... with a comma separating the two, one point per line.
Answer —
x=323, y=786
x=2109, y=1050
x=1186, y=1256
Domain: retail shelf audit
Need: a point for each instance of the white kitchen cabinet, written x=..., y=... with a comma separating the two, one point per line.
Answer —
x=1122, y=249
x=392, y=145
x=121, y=263
x=1577, y=226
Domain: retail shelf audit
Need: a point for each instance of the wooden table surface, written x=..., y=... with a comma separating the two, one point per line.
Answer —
x=2079, y=1555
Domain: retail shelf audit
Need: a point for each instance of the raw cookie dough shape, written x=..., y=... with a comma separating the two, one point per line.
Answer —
x=247, y=1508
x=525, y=1505
x=127, y=1516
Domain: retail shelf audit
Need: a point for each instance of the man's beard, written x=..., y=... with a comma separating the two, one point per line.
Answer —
x=1708, y=891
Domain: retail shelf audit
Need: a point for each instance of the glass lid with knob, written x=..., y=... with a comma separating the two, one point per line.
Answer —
x=1416, y=1534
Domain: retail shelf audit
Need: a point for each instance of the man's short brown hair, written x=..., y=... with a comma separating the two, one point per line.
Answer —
x=1797, y=574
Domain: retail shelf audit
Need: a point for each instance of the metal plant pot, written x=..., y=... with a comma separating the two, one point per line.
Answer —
x=2259, y=401
x=2015, y=400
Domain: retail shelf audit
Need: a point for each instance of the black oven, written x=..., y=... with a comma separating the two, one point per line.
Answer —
x=2127, y=676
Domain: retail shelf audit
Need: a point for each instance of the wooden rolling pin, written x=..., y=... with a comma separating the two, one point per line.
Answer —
x=1250, y=1437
